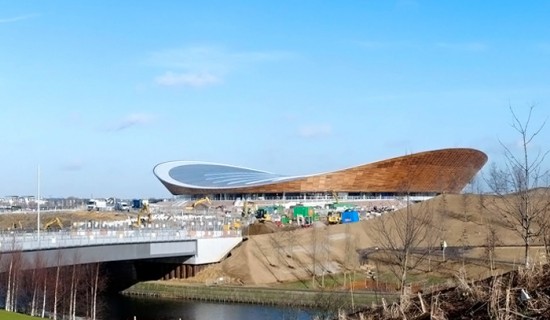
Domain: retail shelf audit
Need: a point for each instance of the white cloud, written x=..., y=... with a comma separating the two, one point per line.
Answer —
x=463, y=46
x=171, y=79
x=394, y=45
x=378, y=45
x=199, y=66
x=258, y=56
x=18, y=18
x=315, y=131
x=74, y=165
x=192, y=59
x=132, y=120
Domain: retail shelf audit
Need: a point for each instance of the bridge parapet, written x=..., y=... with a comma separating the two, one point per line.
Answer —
x=31, y=241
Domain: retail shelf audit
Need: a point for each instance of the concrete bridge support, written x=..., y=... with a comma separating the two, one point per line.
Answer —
x=183, y=271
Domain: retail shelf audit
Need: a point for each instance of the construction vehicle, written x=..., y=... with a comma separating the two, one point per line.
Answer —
x=285, y=219
x=335, y=197
x=232, y=224
x=122, y=206
x=53, y=222
x=18, y=225
x=142, y=213
x=96, y=205
x=236, y=224
x=248, y=208
x=205, y=201
x=263, y=215
x=334, y=217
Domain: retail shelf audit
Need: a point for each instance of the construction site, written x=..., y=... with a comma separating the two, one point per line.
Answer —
x=280, y=241
x=331, y=240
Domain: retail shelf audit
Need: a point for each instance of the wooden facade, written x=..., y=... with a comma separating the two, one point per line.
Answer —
x=439, y=171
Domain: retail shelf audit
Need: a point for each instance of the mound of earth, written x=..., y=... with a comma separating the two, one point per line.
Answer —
x=260, y=228
x=269, y=256
x=213, y=275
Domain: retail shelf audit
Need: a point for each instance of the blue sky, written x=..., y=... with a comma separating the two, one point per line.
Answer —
x=96, y=93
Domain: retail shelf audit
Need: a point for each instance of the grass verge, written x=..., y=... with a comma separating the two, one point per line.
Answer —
x=332, y=299
x=5, y=315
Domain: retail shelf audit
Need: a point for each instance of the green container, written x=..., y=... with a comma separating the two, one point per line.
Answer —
x=302, y=211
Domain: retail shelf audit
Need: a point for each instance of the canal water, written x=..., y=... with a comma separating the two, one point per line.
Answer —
x=118, y=307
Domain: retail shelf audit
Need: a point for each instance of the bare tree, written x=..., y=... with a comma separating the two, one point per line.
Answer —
x=44, y=295
x=75, y=284
x=517, y=185
x=314, y=255
x=351, y=261
x=325, y=254
x=491, y=242
x=57, y=284
x=38, y=274
x=544, y=224
x=95, y=290
x=14, y=279
x=402, y=236
x=463, y=240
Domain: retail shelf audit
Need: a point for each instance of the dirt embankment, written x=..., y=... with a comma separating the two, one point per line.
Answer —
x=269, y=256
x=272, y=254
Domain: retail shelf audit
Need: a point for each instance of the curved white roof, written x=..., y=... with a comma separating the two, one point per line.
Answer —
x=206, y=175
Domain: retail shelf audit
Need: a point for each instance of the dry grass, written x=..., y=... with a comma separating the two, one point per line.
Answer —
x=28, y=221
x=520, y=294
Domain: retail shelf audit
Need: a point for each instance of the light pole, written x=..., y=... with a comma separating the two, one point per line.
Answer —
x=38, y=207
x=443, y=247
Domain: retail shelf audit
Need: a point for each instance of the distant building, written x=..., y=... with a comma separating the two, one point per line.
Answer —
x=424, y=174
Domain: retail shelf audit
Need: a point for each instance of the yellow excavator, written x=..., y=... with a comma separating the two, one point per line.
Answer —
x=54, y=222
x=17, y=225
x=335, y=197
x=143, y=211
x=334, y=217
x=236, y=224
x=249, y=208
x=263, y=215
x=205, y=201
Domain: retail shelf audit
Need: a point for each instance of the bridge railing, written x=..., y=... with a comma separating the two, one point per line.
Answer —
x=23, y=241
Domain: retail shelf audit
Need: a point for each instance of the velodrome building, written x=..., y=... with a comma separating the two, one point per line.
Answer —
x=424, y=174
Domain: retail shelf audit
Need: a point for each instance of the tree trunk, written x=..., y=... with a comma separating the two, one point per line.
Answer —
x=14, y=292
x=94, y=302
x=404, y=272
x=546, y=248
x=44, y=298
x=526, y=253
x=55, y=293
x=8, y=290
x=34, y=292
x=72, y=295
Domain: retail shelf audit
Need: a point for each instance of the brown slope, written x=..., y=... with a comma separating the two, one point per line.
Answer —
x=289, y=256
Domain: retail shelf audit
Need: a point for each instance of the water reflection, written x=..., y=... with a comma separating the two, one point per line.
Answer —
x=125, y=308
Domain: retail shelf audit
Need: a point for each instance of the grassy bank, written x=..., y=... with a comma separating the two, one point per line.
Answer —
x=5, y=315
x=329, y=299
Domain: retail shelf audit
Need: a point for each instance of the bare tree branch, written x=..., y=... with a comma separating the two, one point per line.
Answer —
x=520, y=184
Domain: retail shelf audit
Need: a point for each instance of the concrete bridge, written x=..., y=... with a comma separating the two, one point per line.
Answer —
x=175, y=247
